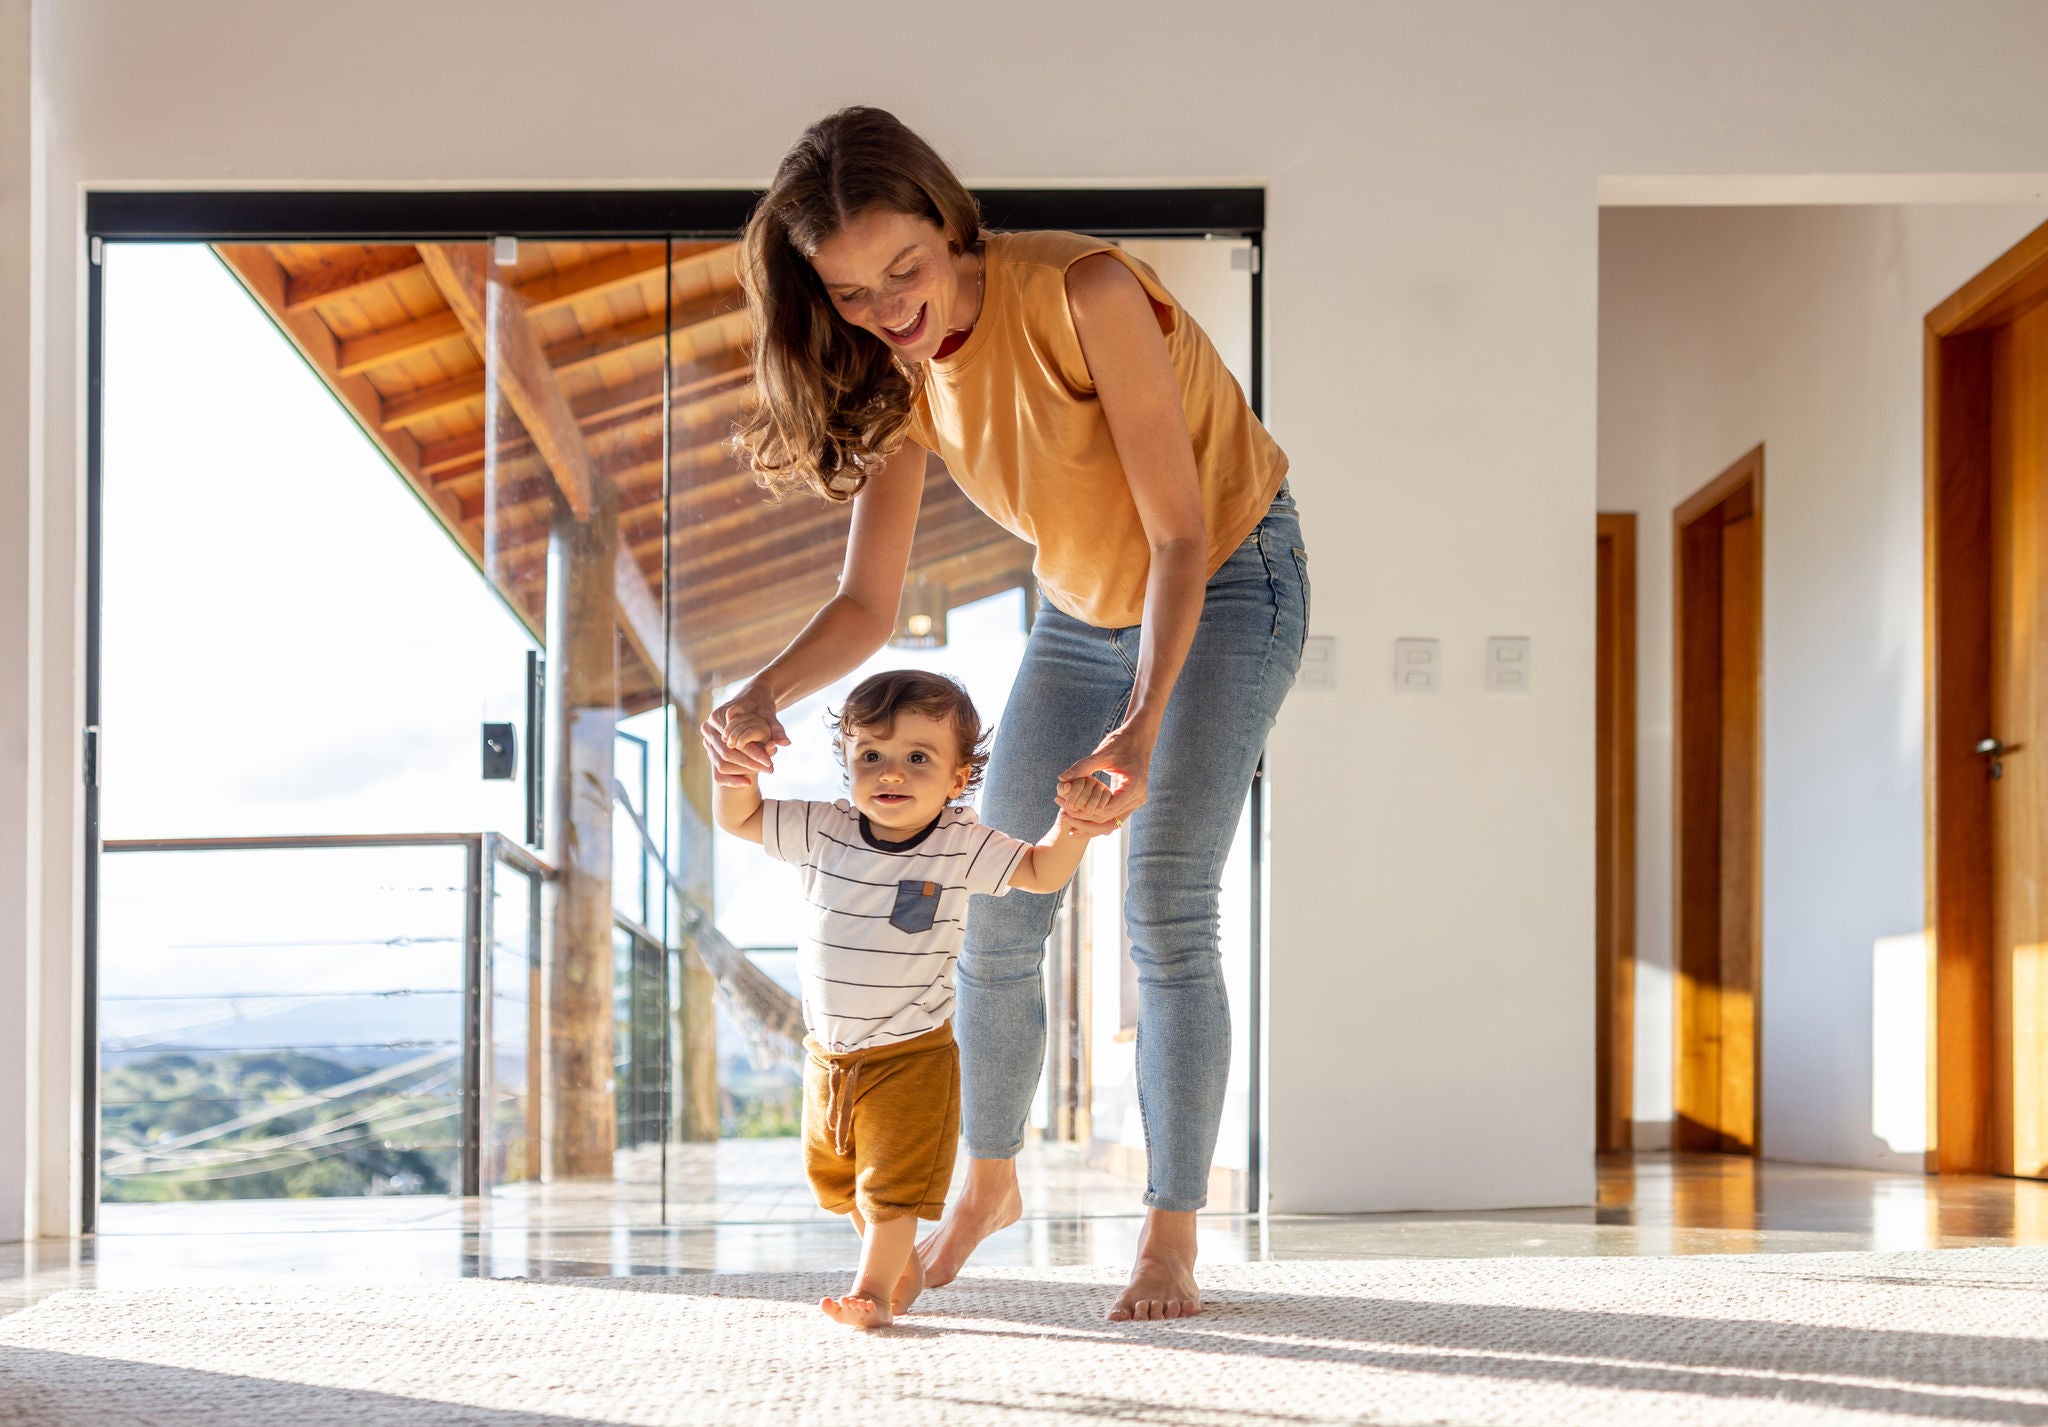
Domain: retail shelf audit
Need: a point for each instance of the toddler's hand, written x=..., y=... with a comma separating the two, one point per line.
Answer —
x=1082, y=801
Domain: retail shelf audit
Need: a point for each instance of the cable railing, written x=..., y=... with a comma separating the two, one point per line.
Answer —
x=312, y=1081
x=302, y=1073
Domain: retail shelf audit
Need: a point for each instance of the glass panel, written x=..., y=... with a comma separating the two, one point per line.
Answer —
x=1213, y=282
x=569, y=425
x=293, y=549
x=511, y=1151
x=744, y=577
x=277, y=551
x=281, y=1023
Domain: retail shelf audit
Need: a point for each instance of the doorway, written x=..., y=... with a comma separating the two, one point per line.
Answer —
x=1987, y=788
x=1615, y=835
x=1717, y=834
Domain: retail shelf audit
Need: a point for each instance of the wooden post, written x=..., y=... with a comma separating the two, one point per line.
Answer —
x=582, y=723
x=696, y=1096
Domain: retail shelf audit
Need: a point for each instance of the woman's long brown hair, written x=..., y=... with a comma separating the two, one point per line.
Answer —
x=833, y=399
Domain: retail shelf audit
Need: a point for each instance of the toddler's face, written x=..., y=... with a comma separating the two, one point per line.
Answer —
x=903, y=778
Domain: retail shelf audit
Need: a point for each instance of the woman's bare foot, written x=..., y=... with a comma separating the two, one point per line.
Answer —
x=1162, y=1282
x=907, y=1287
x=989, y=1202
x=857, y=1310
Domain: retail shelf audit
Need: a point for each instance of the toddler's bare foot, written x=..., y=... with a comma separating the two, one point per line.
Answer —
x=977, y=1213
x=857, y=1310
x=907, y=1287
x=1162, y=1286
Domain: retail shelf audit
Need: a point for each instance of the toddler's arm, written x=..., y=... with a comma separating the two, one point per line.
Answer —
x=1048, y=865
x=736, y=804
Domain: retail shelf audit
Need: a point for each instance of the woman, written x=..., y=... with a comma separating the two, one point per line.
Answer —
x=1081, y=408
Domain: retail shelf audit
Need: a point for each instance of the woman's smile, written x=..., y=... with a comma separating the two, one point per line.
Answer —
x=910, y=331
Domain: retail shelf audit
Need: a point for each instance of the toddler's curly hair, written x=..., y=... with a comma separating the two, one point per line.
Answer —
x=876, y=700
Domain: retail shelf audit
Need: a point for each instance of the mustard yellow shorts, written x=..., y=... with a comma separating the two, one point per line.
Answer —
x=881, y=1126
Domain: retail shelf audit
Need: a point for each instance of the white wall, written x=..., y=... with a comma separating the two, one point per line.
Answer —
x=17, y=616
x=1433, y=169
x=1800, y=328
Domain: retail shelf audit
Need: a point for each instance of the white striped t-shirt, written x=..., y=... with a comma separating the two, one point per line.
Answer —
x=887, y=918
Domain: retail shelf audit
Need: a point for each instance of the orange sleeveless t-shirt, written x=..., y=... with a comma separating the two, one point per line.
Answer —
x=1014, y=415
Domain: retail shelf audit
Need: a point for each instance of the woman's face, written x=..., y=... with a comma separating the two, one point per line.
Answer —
x=893, y=274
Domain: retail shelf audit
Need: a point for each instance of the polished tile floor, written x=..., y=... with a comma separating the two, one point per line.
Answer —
x=742, y=1205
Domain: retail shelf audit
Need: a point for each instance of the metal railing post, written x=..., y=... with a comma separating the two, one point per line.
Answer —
x=472, y=1018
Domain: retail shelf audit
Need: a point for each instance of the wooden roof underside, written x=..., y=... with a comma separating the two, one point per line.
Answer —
x=582, y=329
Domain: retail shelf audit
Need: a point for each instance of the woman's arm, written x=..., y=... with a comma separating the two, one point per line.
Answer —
x=1134, y=379
x=742, y=734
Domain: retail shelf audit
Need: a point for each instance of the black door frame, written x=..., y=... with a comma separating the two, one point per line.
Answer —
x=476, y=215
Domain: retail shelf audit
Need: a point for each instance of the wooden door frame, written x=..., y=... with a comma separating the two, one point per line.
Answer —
x=1958, y=623
x=1615, y=915
x=1747, y=472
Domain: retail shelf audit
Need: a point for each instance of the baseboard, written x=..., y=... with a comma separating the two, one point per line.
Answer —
x=1649, y=1134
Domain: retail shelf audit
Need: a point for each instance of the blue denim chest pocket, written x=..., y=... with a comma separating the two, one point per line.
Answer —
x=916, y=904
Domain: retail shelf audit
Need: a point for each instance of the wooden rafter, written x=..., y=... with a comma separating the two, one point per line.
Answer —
x=522, y=369
x=490, y=312
x=329, y=281
x=713, y=328
x=814, y=581
x=742, y=647
x=463, y=455
x=542, y=295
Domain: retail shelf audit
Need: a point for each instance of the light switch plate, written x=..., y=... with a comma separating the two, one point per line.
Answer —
x=1507, y=664
x=1418, y=666
x=1318, y=663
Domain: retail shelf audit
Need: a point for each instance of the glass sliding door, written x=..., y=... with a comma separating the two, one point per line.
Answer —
x=299, y=664
x=423, y=560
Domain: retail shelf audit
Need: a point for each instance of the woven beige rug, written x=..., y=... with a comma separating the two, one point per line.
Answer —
x=1852, y=1338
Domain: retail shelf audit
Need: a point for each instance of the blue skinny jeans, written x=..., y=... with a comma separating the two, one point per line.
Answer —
x=1073, y=687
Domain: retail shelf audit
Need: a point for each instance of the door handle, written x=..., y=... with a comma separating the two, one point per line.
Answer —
x=1997, y=750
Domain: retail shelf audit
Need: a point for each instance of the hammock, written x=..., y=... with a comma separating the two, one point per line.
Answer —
x=771, y=1018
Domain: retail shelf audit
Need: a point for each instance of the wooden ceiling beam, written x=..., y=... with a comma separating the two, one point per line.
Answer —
x=622, y=427
x=815, y=583
x=717, y=327
x=464, y=455
x=713, y=266
x=740, y=648
x=522, y=514
x=523, y=372
x=333, y=280
x=697, y=587
x=530, y=389
x=775, y=534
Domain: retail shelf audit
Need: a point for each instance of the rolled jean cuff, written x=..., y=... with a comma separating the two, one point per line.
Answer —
x=1168, y=1204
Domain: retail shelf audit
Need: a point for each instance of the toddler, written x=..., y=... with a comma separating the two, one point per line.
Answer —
x=887, y=872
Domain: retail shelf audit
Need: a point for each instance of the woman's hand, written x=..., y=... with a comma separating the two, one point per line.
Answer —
x=1083, y=803
x=741, y=737
x=1126, y=756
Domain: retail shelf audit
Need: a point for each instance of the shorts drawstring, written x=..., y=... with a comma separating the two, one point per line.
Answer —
x=842, y=1083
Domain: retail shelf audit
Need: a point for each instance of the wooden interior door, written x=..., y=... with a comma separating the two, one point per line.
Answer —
x=1615, y=835
x=2019, y=725
x=1987, y=724
x=1717, y=834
